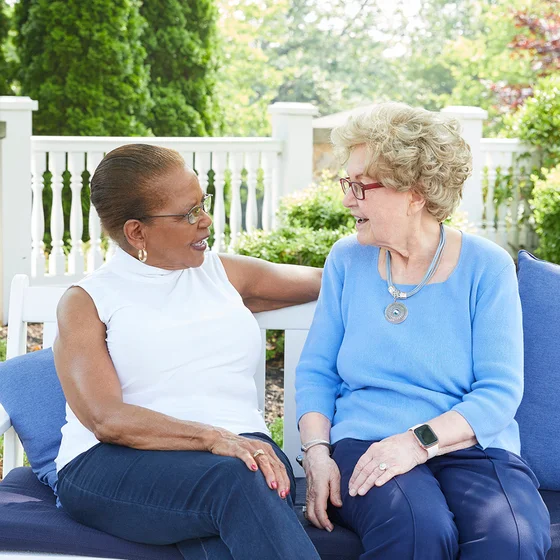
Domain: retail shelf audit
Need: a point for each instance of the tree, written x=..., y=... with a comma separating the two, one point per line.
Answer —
x=326, y=52
x=5, y=66
x=84, y=61
x=538, y=41
x=180, y=41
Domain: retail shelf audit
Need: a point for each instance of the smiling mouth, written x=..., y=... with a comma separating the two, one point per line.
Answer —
x=361, y=220
x=202, y=244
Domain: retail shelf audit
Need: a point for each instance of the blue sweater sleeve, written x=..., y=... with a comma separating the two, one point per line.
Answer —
x=497, y=340
x=317, y=379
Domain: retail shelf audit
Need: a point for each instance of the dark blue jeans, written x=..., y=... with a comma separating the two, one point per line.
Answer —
x=213, y=507
x=472, y=504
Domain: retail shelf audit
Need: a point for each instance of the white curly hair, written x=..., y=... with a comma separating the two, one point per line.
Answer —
x=410, y=148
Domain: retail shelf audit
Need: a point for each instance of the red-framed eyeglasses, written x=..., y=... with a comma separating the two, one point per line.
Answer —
x=358, y=189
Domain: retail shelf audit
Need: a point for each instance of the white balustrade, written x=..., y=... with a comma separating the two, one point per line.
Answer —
x=507, y=163
x=38, y=263
x=76, y=165
x=57, y=259
x=219, y=163
x=251, y=218
x=95, y=254
x=225, y=158
x=236, y=167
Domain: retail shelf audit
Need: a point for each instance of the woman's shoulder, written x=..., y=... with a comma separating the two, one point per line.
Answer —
x=486, y=252
x=348, y=248
x=486, y=259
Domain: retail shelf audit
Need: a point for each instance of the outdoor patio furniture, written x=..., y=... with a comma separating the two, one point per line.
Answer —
x=30, y=521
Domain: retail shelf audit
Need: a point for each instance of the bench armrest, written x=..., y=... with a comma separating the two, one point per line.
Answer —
x=5, y=422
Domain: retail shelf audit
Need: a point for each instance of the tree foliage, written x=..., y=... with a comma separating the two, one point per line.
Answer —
x=84, y=62
x=5, y=66
x=538, y=41
x=180, y=40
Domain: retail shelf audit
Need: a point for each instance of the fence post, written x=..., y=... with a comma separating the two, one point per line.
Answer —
x=15, y=192
x=471, y=119
x=292, y=123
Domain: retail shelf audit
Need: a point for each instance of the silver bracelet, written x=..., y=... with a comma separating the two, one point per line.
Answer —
x=308, y=445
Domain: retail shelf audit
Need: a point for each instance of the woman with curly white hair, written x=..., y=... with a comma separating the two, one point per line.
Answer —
x=412, y=372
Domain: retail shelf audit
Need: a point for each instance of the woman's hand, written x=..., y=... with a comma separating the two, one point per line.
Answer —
x=399, y=454
x=323, y=482
x=231, y=445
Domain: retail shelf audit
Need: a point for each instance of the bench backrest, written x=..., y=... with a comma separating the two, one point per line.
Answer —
x=37, y=304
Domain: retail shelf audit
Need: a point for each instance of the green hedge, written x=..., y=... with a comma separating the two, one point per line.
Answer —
x=546, y=212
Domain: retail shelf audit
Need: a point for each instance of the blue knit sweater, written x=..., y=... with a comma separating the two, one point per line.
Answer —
x=461, y=348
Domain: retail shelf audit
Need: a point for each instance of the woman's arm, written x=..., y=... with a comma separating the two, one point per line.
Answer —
x=93, y=392
x=265, y=286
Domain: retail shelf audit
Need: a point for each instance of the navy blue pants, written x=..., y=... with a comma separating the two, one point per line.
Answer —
x=213, y=507
x=472, y=504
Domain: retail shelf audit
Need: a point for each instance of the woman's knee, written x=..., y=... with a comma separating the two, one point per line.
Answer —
x=422, y=531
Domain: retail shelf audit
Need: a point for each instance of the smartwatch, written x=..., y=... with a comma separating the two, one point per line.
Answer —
x=426, y=438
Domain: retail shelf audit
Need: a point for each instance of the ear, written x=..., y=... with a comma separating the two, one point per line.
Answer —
x=416, y=202
x=134, y=232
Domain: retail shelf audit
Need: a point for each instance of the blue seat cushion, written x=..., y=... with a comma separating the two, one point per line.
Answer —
x=539, y=413
x=32, y=396
x=30, y=521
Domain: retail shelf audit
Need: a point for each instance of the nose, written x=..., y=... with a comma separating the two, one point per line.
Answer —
x=349, y=199
x=205, y=220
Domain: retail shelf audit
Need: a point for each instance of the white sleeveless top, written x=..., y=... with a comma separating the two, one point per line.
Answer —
x=182, y=343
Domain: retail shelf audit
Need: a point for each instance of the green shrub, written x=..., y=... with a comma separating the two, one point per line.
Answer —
x=318, y=207
x=546, y=212
x=537, y=122
x=2, y=349
x=290, y=245
x=277, y=431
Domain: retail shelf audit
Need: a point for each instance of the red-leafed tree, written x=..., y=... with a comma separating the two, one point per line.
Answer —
x=539, y=39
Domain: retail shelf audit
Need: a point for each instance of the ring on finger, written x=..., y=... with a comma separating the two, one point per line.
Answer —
x=382, y=466
x=257, y=453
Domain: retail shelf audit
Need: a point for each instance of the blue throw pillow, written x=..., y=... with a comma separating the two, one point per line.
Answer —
x=539, y=413
x=32, y=396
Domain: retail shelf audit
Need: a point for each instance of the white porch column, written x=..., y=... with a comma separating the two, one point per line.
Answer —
x=292, y=123
x=15, y=192
x=471, y=119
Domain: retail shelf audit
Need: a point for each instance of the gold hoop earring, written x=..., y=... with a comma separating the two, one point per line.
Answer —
x=142, y=255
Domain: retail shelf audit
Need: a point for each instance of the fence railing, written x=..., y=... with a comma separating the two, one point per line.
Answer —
x=506, y=190
x=241, y=173
x=49, y=231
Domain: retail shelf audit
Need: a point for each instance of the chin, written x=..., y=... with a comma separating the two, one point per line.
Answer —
x=365, y=238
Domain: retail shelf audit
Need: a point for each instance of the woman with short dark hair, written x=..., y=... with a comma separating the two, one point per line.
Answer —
x=156, y=351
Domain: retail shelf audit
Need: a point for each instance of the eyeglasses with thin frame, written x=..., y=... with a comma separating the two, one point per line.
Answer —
x=193, y=215
x=358, y=189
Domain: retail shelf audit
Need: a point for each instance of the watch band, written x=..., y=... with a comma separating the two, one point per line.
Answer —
x=431, y=450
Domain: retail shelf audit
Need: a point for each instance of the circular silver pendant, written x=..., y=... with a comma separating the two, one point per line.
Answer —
x=396, y=312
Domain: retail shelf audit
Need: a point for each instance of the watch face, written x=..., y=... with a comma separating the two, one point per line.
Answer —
x=426, y=435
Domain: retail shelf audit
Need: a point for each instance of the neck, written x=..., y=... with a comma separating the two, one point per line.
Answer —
x=417, y=249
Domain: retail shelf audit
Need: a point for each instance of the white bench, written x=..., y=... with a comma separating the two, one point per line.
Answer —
x=38, y=305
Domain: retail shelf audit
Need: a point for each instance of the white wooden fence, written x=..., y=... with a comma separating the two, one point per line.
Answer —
x=255, y=171
x=242, y=163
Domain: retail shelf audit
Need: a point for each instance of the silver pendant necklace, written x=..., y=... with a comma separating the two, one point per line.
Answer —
x=397, y=312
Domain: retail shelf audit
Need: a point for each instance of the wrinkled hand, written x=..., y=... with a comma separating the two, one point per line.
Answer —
x=228, y=444
x=400, y=453
x=323, y=483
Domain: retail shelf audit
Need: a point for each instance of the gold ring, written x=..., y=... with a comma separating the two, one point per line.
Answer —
x=257, y=453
